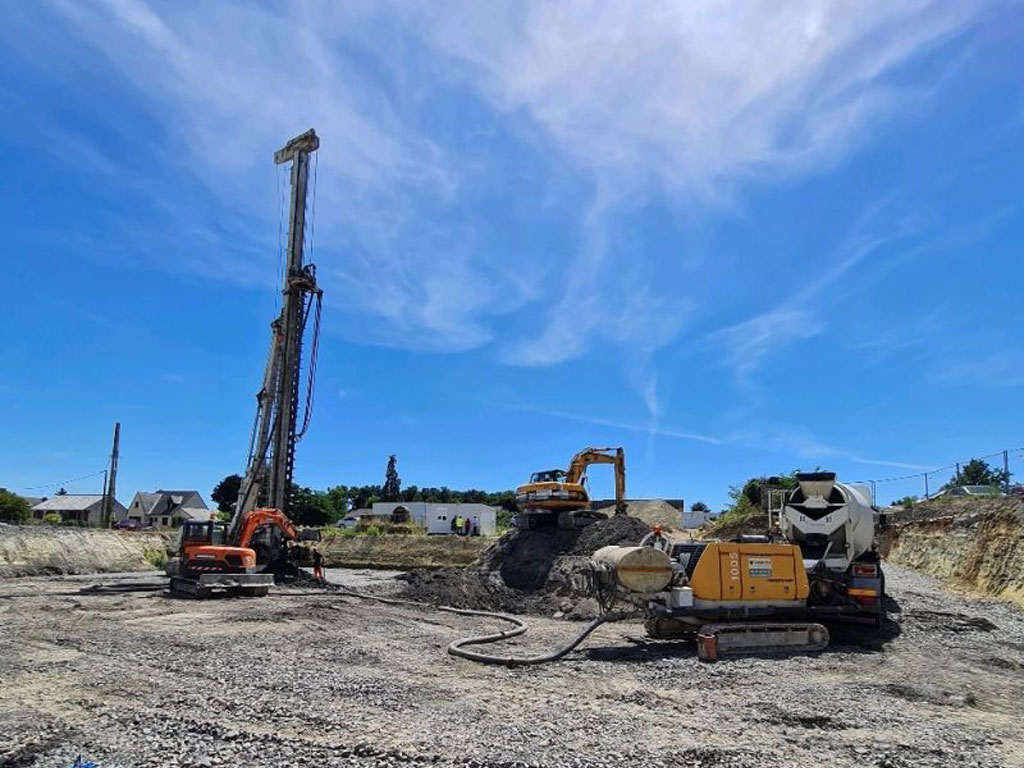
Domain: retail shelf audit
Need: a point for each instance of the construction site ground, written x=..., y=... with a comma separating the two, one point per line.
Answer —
x=306, y=678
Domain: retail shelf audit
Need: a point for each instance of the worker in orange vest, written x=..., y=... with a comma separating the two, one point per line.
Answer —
x=318, y=565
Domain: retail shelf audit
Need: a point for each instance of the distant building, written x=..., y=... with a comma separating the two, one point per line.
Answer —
x=437, y=517
x=77, y=507
x=166, y=509
x=693, y=519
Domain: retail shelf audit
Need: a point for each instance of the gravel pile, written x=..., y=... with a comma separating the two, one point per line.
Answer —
x=544, y=570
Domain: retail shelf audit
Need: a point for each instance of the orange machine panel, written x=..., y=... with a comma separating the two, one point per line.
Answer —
x=732, y=572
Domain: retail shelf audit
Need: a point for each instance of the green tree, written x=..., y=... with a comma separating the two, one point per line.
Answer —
x=699, y=506
x=309, y=507
x=337, y=502
x=906, y=501
x=13, y=508
x=392, y=483
x=978, y=472
x=225, y=493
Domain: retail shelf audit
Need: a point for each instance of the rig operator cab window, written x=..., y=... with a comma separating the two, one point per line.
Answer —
x=550, y=476
x=207, y=533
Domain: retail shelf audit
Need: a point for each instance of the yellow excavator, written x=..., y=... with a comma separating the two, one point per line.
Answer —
x=560, y=496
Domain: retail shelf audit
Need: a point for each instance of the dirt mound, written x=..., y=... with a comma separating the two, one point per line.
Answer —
x=544, y=570
x=655, y=512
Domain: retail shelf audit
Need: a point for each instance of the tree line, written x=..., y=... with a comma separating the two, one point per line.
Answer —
x=309, y=506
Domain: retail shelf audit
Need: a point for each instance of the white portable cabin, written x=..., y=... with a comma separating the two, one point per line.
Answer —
x=438, y=518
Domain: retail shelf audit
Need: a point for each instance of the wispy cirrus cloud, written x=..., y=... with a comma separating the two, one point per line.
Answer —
x=680, y=102
x=744, y=346
x=778, y=437
x=690, y=100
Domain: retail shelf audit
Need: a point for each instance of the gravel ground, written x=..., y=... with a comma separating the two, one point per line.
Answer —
x=313, y=679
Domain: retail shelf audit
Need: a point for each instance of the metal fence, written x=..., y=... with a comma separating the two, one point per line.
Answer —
x=927, y=483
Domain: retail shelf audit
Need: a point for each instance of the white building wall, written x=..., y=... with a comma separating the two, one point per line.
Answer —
x=693, y=519
x=437, y=517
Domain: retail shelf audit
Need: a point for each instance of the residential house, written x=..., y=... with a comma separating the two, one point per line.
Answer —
x=167, y=509
x=77, y=507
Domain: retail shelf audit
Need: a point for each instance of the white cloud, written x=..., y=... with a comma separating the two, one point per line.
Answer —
x=744, y=346
x=687, y=98
x=693, y=95
x=690, y=100
x=227, y=84
x=997, y=368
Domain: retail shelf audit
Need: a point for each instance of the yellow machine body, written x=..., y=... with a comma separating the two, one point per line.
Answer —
x=731, y=572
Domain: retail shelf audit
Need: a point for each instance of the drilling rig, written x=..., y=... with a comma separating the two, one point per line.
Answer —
x=236, y=556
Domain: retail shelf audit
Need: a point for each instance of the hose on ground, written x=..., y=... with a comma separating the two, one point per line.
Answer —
x=457, y=647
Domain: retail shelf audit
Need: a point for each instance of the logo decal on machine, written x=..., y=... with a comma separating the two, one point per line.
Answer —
x=759, y=567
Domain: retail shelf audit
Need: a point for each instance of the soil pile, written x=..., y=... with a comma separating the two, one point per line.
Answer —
x=544, y=570
x=655, y=512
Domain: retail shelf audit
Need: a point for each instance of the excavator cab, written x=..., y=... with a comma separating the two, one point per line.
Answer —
x=548, y=476
x=196, y=533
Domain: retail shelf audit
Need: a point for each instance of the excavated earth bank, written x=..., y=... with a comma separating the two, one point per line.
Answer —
x=42, y=550
x=976, y=543
x=544, y=570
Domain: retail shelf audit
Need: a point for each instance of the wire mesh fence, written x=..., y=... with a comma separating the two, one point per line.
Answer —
x=927, y=484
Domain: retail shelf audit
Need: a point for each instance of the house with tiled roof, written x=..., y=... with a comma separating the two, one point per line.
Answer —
x=85, y=508
x=166, y=509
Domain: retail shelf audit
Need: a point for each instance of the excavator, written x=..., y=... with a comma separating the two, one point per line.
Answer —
x=557, y=496
x=241, y=556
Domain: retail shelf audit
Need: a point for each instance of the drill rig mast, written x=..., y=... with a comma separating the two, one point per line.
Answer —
x=268, y=475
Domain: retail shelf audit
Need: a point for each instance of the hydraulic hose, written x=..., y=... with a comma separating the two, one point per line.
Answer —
x=519, y=627
x=456, y=647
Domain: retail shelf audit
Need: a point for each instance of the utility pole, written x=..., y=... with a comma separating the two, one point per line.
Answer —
x=926, y=496
x=1006, y=471
x=108, y=506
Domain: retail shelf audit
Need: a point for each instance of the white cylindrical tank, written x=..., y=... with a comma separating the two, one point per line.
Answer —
x=828, y=519
x=643, y=570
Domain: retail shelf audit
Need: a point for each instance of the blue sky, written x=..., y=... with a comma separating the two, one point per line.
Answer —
x=735, y=238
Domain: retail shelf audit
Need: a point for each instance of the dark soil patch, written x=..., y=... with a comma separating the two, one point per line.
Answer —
x=527, y=571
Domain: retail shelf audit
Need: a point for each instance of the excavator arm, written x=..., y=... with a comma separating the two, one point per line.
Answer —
x=257, y=518
x=586, y=457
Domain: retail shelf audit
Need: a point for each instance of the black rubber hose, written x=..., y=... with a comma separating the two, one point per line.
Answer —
x=457, y=647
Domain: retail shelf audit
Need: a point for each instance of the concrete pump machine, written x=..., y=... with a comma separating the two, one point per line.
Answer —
x=758, y=593
x=239, y=556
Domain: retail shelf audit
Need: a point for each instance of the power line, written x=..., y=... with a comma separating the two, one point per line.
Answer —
x=1010, y=452
x=59, y=484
